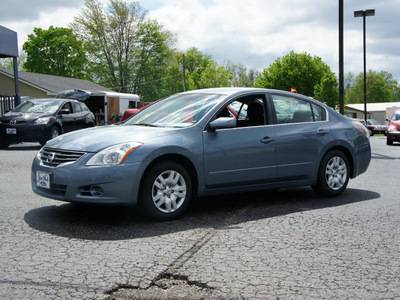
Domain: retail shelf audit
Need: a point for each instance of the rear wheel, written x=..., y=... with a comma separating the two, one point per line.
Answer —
x=333, y=174
x=166, y=191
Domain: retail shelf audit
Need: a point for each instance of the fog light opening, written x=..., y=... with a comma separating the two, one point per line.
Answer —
x=96, y=190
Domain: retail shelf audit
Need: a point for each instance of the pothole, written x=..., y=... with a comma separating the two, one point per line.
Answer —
x=168, y=287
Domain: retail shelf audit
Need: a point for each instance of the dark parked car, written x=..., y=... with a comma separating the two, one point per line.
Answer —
x=375, y=127
x=187, y=145
x=39, y=120
x=393, y=131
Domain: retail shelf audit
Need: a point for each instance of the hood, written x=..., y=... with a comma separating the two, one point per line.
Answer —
x=97, y=138
x=21, y=117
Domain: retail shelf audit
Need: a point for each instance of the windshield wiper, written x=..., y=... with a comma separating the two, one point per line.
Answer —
x=145, y=124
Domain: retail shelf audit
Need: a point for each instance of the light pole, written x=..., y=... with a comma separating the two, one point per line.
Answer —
x=364, y=13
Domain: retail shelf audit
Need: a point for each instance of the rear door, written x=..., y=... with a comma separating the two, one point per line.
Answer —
x=301, y=133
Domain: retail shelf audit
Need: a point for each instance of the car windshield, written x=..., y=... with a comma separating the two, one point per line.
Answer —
x=373, y=122
x=38, y=107
x=396, y=117
x=180, y=110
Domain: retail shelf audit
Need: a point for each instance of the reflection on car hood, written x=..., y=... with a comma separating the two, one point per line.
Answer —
x=22, y=117
x=97, y=138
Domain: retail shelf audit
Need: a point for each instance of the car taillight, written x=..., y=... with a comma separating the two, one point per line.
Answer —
x=360, y=127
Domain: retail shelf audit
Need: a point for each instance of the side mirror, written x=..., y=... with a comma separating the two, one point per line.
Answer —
x=222, y=123
x=65, y=111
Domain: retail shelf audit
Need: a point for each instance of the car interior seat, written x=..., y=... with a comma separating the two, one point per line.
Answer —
x=255, y=114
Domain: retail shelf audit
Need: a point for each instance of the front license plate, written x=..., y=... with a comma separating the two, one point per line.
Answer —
x=43, y=179
x=11, y=130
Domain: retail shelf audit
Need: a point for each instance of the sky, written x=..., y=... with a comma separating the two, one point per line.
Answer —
x=253, y=32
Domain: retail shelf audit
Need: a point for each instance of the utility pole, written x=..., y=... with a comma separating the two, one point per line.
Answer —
x=184, y=75
x=341, y=59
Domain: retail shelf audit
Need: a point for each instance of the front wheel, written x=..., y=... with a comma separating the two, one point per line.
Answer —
x=333, y=174
x=166, y=191
x=389, y=142
x=54, y=132
x=4, y=144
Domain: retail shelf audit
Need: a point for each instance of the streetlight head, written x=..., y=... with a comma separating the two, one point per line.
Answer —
x=361, y=13
x=370, y=12
x=358, y=13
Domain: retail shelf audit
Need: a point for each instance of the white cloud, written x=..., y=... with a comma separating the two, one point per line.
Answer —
x=256, y=32
x=253, y=32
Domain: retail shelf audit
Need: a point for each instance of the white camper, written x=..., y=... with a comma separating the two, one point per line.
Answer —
x=106, y=106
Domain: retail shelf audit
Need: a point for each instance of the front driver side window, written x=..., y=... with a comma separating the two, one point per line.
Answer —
x=248, y=111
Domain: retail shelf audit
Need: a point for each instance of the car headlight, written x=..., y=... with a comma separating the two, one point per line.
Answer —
x=114, y=155
x=41, y=121
x=392, y=128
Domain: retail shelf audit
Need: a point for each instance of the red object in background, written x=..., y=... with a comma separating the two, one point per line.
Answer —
x=129, y=113
x=133, y=111
x=393, y=131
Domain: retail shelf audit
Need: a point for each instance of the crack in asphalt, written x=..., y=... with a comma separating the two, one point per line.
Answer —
x=170, y=276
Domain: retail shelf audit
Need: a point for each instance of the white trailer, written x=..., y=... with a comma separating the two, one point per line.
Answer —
x=106, y=106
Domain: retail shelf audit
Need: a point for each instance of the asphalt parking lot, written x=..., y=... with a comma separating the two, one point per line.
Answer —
x=286, y=244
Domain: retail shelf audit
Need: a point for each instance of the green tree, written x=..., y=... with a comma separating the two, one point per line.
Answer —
x=300, y=71
x=241, y=76
x=203, y=71
x=152, y=60
x=7, y=63
x=126, y=50
x=327, y=90
x=379, y=88
x=55, y=51
x=110, y=38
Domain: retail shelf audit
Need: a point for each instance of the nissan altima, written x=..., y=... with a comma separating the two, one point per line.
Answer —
x=192, y=145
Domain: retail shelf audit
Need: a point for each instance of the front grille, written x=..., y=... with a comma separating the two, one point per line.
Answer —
x=55, y=157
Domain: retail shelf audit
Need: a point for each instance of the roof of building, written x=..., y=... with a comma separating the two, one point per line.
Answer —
x=372, y=106
x=53, y=84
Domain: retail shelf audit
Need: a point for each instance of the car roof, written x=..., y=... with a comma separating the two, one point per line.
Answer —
x=60, y=100
x=237, y=91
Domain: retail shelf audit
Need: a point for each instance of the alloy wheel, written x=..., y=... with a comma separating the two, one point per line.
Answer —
x=336, y=173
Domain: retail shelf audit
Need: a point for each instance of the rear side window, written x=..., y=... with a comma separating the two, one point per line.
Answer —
x=293, y=110
x=83, y=107
x=317, y=112
x=77, y=107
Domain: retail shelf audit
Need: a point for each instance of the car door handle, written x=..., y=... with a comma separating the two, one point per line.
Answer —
x=267, y=140
x=322, y=131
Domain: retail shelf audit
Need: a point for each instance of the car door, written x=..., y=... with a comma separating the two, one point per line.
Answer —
x=67, y=117
x=242, y=155
x=79, y=116
x=301, y=134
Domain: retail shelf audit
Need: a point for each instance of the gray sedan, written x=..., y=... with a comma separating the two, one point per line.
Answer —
x=201, y=143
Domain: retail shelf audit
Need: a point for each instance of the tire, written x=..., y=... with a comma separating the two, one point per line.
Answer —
x=54, y=132
x=389, y=142
x=333, y=174
x=4, y=144
x=166, y=191
x=371, y=132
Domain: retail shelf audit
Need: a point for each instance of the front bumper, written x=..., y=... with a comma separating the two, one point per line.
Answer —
x=24, y=132
x=72, y=182
x=393, y=136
